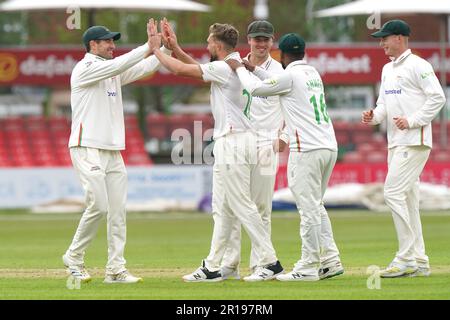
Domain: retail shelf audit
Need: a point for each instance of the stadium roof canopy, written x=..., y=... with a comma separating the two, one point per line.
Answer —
x=363, y=7
x=134, y=5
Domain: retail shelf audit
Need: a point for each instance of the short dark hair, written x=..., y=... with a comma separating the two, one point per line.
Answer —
x=88, y=46
x=225, y=33
x=295, y=55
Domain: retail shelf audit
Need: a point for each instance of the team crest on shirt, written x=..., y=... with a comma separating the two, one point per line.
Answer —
x=426, y=75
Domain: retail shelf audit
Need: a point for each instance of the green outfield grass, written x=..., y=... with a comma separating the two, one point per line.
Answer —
x=163, y=247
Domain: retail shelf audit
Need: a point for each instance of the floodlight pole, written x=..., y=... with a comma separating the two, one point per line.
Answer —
x=261, y=10
x=91, y=17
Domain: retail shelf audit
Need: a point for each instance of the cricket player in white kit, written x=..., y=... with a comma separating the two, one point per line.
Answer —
x=234, y=152
x=410, y=98
x=97, y=136
x=313, y=153
x=267, y=119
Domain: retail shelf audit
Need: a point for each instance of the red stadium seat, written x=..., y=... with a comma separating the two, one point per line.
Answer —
x=13, y=124
x=342, y=138
x=34, y=123
x=361, y=137
x=442, y=155
x=59, y=124
x=138, y=159
x=376, y=156
x=180, y=121
x=341, y=126
x=157, y=126
x=366, y=147
x=131, y=122
x=353, y=157
x=206, y=121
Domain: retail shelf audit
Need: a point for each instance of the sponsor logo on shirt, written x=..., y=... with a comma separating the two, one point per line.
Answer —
x=393, y=91
x=111, y=93
x=426, y=74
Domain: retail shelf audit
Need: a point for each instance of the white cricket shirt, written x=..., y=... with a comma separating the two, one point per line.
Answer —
x=96, y=97
x=229, y=103
x=409, y=88
x=265, y=111
x=302, y=100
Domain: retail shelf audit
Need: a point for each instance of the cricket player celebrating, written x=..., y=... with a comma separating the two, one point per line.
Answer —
x=234, y=151
x=313, y=153
x=97, y=136
x=410, y=97
x=267, y=119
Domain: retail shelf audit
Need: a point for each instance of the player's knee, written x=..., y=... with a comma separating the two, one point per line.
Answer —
x=99, y=207
x=390, y=195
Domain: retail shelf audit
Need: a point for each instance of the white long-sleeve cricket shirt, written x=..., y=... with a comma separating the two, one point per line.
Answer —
x=409, y=88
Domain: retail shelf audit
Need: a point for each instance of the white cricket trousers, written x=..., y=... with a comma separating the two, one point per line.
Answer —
x=104, y=180
x=262, y=183
x=401, y=194
x=308, y=175
x=235, y=159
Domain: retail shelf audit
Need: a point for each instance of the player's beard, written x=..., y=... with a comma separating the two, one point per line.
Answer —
x=213, y=58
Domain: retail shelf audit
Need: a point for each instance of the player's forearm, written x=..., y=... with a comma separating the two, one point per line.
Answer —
x=428, y=112
x=172, y=64
x=261, y=73
x=247, y=82
x=270, y=87
x=379, y=114
x=177, y=67
x=183, y=56
x=144, y=68
x=106, y=69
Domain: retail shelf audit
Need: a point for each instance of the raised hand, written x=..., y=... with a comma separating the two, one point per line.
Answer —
x=279, y=145
x=234, y=64
x=248, y=65
x=154, y=38
x=169, y=37
x=401, y=123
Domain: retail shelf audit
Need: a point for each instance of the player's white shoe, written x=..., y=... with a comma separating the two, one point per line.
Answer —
x=265, y=273
x=422, y=271
x=297, y=276
x=230, y=273
x=331, y=271
x=202, y=274
x=78, y=272
x=396, y=269
x=122, y=277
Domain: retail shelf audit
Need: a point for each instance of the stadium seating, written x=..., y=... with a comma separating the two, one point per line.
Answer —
x=39, y=142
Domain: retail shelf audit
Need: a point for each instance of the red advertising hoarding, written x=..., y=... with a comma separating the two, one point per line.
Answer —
x=338, y=65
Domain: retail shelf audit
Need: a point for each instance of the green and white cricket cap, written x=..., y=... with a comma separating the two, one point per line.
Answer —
x=397, y=27
x=260, y=28
x=292, y=43
x=99, y=33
